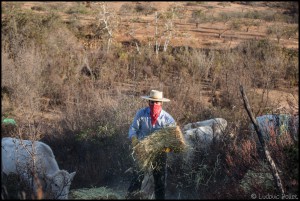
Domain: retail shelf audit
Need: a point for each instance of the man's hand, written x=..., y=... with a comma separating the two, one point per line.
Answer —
x=134, y=141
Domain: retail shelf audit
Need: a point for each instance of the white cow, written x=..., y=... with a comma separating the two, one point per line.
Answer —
x=204, y=132
x=197, y=135
x=277, y=124
x=219, y=122
x=25, y=157
x=200, y=137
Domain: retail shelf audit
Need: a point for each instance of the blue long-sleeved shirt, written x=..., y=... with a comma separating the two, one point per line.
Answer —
x=142, y=127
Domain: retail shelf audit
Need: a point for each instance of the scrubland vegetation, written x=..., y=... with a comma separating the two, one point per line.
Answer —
x=81, y=101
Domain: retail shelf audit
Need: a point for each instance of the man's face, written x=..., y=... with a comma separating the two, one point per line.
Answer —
x=155, y=102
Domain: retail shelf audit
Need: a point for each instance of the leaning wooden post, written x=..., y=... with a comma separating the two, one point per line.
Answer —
x=262, y=141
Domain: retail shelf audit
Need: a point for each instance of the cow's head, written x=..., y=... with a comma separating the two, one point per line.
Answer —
x=58, y=184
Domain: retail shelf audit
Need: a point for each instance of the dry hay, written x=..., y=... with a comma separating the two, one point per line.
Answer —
x=153, y=145
x=101, y=193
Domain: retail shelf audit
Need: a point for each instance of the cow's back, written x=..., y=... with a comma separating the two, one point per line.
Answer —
x=18, y=156
x=219, y=122
x=9, y=155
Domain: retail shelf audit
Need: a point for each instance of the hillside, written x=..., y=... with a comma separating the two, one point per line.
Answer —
x=219, y=24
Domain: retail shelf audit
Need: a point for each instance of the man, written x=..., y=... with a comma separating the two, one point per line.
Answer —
x=146, y=121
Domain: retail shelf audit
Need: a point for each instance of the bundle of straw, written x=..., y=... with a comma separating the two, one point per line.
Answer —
x=155, y=144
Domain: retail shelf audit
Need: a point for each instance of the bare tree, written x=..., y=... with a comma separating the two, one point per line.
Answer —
x=222, y=31
x=169, y=28
x=131, y=32
x=279, y=30
x=224, y=17
x=197, y=17
x=167, y=32
x=108, y=22
x=156, y=34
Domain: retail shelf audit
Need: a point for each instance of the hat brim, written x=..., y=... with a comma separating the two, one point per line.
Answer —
x=155, y=99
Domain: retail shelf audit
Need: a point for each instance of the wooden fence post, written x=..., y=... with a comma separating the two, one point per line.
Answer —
x=274, y=170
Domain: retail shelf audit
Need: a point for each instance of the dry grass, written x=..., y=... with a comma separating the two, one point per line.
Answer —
x=101, y=193
x=152, y=146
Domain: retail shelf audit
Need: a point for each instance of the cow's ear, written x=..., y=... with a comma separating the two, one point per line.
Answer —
x=72, y=175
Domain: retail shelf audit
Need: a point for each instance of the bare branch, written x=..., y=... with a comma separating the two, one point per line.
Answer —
x=274, y=170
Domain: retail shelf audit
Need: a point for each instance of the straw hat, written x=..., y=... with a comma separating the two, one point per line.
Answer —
x=156, y=96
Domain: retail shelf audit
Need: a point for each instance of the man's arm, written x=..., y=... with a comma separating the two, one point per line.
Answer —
x=134, y=127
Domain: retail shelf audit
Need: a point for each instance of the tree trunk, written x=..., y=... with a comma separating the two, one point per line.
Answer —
x=274, y=170
x=156, y=34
